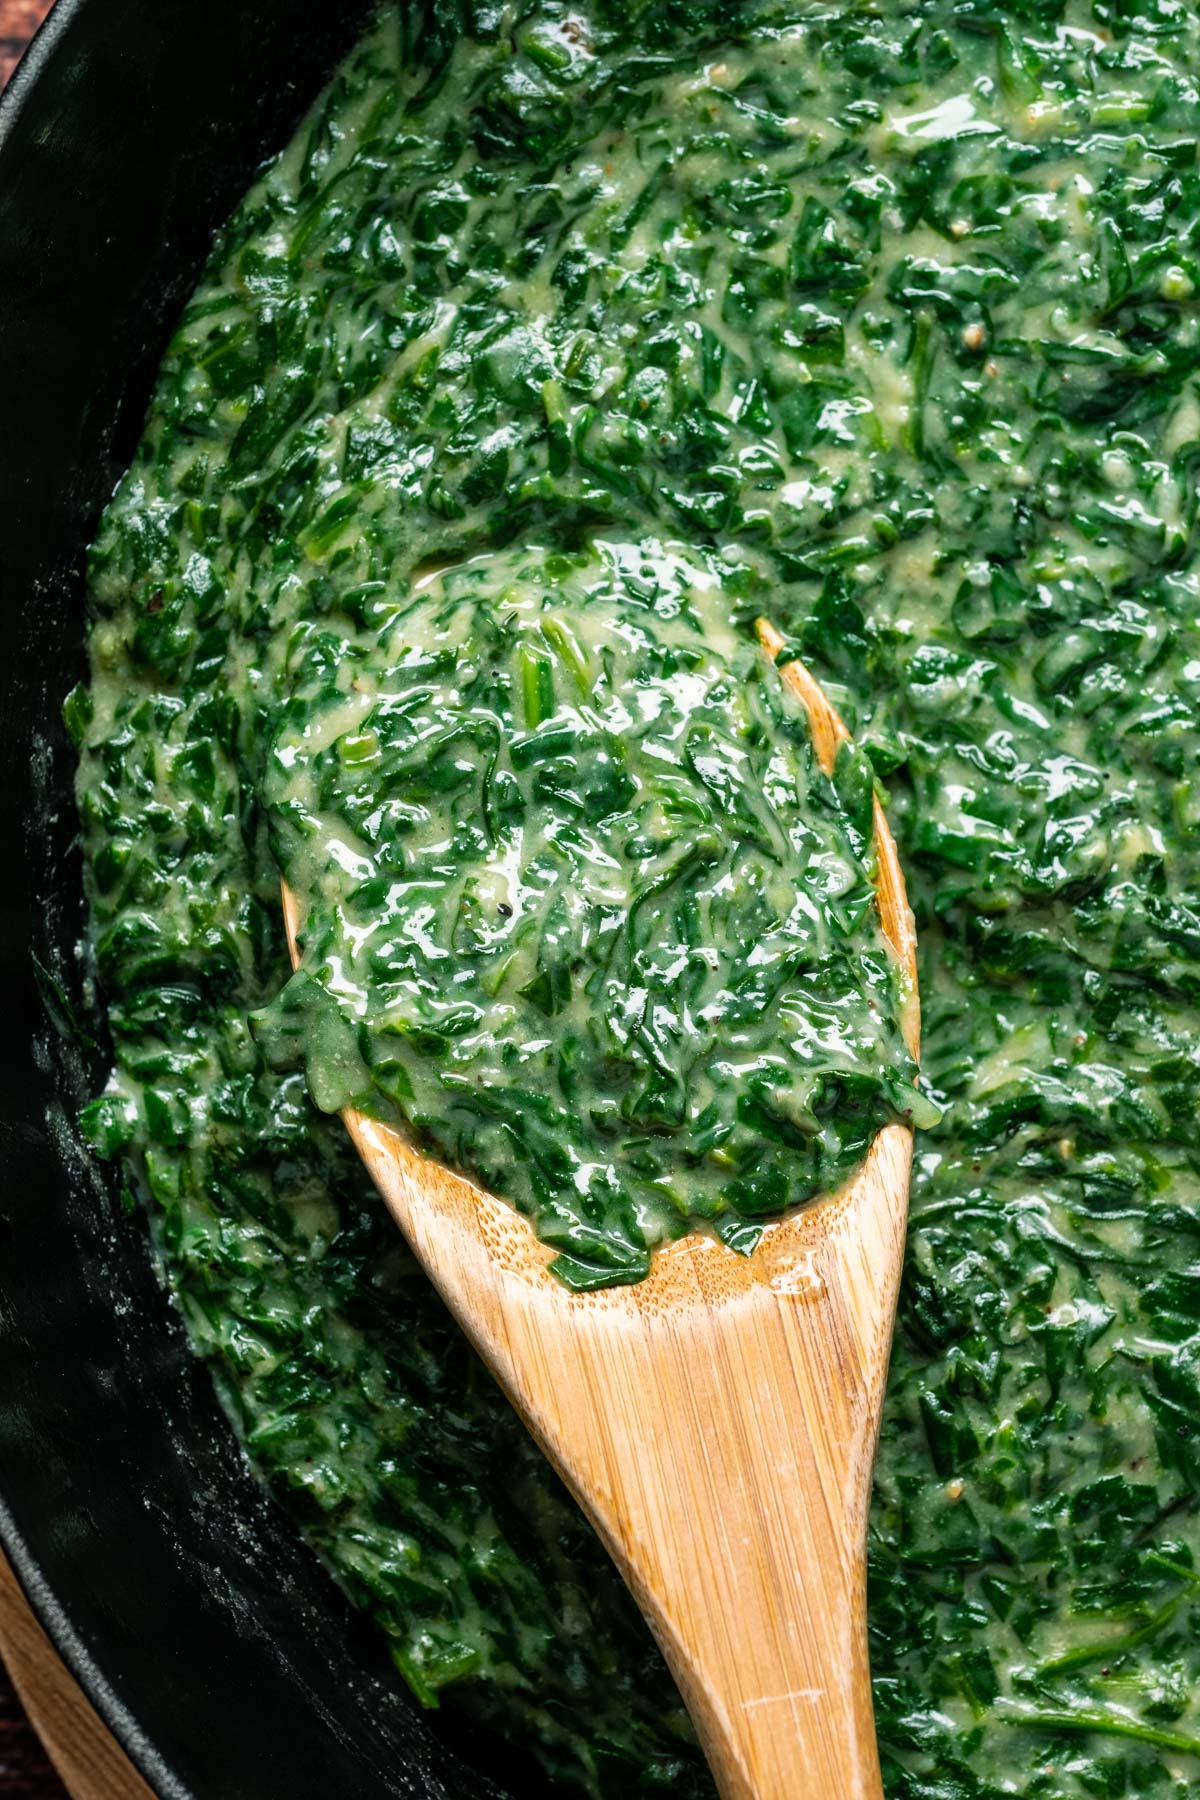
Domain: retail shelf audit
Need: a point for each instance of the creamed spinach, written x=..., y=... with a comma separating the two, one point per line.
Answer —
x=884, y=315
x=580, y=910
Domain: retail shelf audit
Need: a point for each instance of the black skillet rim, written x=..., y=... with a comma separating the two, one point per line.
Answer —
x=47, y=1608
x=45, y=1604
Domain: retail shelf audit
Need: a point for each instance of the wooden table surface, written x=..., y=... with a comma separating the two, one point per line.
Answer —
x=25, y=1771
x=19, y=19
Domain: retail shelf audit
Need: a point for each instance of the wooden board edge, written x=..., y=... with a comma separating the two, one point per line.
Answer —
x=89, y=1761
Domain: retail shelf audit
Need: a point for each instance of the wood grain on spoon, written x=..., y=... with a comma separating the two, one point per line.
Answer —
x=717, y=1421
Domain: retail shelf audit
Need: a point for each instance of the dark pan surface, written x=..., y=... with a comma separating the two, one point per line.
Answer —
x=209, y=1637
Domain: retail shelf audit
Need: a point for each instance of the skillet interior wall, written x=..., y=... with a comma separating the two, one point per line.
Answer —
x=210, y=1639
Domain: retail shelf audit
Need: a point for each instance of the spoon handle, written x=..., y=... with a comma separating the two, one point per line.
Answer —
x=730, y=1474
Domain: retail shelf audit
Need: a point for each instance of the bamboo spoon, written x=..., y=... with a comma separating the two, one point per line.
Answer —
x=717, y=1421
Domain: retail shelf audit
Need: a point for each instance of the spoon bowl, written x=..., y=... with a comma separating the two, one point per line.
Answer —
x=716, y=1421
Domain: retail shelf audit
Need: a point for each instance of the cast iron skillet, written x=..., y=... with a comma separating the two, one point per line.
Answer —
x=207, y=1635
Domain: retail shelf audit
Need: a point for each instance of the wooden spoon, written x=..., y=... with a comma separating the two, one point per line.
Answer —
x=717, y=1421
